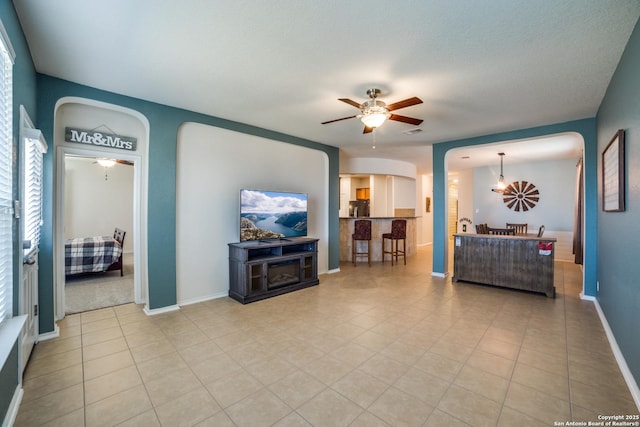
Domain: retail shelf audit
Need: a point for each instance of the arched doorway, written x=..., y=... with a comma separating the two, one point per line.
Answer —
x=87, y=114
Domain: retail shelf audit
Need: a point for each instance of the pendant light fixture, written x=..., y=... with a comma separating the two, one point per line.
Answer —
x=500, y=186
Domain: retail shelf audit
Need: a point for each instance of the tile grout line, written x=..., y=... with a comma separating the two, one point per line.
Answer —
x=84, y=399
x=540, y=316
x=566, y=338
x=124, y=336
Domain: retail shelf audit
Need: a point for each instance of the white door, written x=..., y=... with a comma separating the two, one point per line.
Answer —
x=33, y=146
x=29, y=306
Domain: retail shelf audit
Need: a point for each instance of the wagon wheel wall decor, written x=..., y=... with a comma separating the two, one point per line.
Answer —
x=521, y=196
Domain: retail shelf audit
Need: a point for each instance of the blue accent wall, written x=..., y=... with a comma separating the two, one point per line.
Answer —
x=24, y=93
x=586, y=128
x=164, y=122
x=619, y=232
x=8, y=380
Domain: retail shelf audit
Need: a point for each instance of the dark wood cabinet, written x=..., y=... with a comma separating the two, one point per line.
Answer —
x=518, y=262
x=266, y=268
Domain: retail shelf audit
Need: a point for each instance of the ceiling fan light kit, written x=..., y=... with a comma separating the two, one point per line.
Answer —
x=106, y=163
x=374, y=119
x=375, y=112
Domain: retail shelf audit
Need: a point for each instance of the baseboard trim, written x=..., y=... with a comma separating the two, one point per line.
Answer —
x=335, y=270
x=154, y=311
x=441, y=275
x=50, y=335
x=14, y=406
x=587, y=297
x=622, y=363
x=203, y=299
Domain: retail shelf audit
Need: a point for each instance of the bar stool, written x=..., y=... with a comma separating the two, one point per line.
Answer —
x=362, y=232
x=398, y=232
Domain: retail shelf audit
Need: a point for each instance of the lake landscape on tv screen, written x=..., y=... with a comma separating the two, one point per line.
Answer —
x=272, y=214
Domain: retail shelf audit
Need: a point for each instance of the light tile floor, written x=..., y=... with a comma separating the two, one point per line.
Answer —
x=369, y=346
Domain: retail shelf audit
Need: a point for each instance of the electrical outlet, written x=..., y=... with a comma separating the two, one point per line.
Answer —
x=598, y=285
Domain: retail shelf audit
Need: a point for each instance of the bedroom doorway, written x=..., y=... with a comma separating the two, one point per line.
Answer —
x=134, y=250
x=111, y=120
x=98, y=199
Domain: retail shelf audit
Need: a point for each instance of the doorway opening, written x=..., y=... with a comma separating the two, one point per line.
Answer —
x=98, y=199
x=549, y=161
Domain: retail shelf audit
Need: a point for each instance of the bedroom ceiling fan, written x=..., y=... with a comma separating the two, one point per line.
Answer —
x=107, y=163
x=375, y=112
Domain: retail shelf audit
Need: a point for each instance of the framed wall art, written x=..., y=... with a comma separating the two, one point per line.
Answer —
x=613, y=174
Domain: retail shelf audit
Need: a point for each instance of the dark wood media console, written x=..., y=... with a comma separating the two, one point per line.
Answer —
x=262, y=269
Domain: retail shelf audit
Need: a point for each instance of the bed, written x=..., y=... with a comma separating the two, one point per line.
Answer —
x=94, y=254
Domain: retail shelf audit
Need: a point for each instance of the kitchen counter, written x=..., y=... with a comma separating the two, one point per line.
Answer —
x=379, y=225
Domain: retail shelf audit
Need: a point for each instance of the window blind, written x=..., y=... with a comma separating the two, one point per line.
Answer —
x=6, y=175
x=34, y=148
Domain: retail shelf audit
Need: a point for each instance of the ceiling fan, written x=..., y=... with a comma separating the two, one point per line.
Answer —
x=374, y=112
x=107, y=162
x=102, y=161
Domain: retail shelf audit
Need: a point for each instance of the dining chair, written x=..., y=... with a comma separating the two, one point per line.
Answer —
x=482, y=229
x=520, y=228
x=502, y=231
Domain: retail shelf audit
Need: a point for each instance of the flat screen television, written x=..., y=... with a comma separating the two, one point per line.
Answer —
x=272, y=214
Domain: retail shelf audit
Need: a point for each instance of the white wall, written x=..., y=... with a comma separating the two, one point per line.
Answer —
x=465, y=201
x=380, y=200
x=556, y=181
x=425, y=219
x=376, y=166
x=404, y=193
x=94, y=206
x=345, y=194
x=213, y=165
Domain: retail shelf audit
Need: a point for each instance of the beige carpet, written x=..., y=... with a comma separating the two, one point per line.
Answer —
x=99, y=290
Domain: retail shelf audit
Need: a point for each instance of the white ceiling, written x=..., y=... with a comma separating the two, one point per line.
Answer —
x=480, y=67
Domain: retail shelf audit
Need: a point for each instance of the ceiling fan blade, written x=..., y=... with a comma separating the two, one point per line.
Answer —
x=405, y=119
x=124, y=162
x=367, y=129
x=337, y=120
x=404, y=103
x=350, y=102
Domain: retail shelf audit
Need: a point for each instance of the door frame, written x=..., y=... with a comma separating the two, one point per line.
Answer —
x=61, y=153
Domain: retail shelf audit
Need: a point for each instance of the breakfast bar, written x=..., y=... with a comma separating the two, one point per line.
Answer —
x=522, y=262
x=379, y=225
